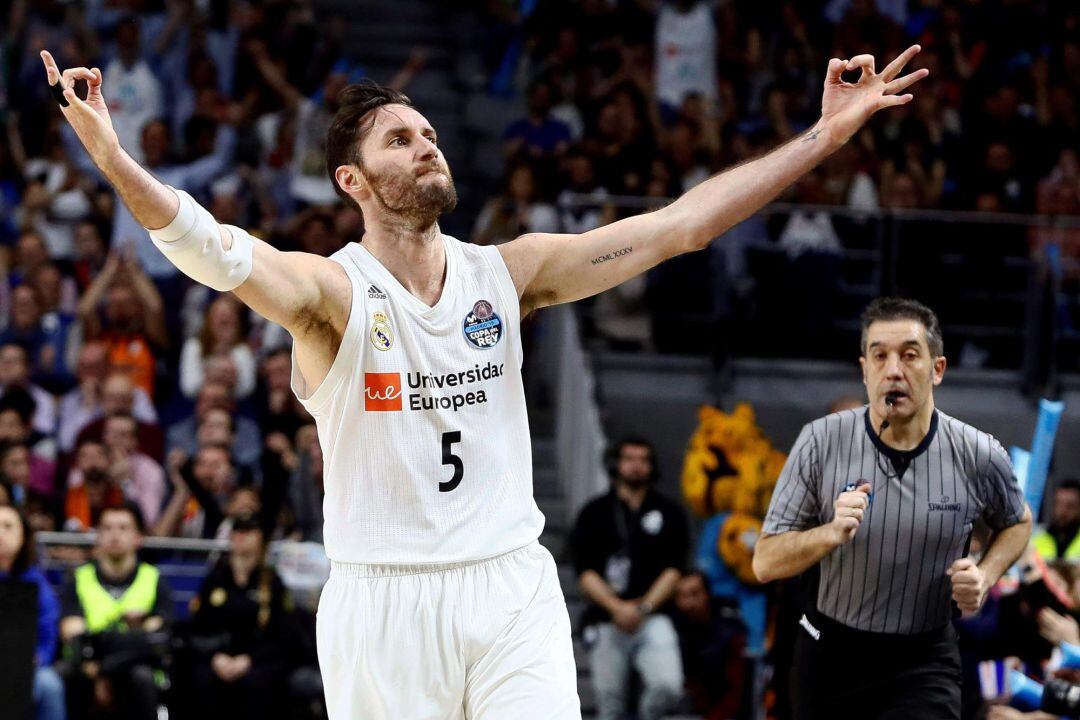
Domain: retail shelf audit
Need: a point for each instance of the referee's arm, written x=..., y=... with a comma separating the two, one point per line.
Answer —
x=1011, y=520
x=793, y=538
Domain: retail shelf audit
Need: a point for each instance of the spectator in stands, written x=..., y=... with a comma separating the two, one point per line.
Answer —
x=99, y=393
x=629, y=549
x=90, y=255
x=1061, y=538
x=114, y=610
x=306, y=490
x=18, y=564
x=46, y=347
x=538, y=136
x=15, y=373
x=581, y=216
x=224, y=334
x=245, y=616
x=123, y=309
x=120, y=396
x=202, y=487
x=16, y=408
x=516, y=212
x=137, y=474
x=685, y=52
x=91, y=488
x=247, y=437
x=277, y=408
x=137, y=95
x=712, y=639
x=59, y=296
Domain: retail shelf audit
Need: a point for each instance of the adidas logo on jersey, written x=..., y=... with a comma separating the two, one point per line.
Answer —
x=375, y=293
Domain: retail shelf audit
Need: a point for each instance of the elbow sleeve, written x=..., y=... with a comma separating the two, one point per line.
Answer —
x=192, y=242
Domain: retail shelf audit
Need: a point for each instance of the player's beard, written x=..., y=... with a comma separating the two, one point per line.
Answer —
x=415, y=200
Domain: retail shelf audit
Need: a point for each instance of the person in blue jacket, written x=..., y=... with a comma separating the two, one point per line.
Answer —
x=17, y=564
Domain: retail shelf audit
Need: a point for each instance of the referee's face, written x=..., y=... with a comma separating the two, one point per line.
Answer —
x=898, y=366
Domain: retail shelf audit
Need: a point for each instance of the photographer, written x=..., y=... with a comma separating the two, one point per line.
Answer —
x=116, y=612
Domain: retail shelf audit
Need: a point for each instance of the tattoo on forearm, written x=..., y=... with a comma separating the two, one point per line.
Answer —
x=612, y=255
x=811, y=136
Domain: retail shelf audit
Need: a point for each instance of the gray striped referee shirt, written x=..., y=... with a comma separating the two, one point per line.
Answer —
x=891, y=576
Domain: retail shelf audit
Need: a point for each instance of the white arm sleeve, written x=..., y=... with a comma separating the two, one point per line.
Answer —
x=192, y=242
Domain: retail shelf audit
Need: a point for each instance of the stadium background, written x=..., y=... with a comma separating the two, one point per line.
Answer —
x=554, y=116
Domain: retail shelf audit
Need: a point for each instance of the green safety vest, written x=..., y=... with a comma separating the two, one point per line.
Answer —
x=1047, y=547
x=102, y=611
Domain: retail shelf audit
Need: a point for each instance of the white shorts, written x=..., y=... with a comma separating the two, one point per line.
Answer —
x=485, y=640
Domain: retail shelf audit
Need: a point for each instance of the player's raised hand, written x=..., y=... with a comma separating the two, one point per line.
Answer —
x=89, y=118
x=848, y=511
x=969, y=585
x=847, y=106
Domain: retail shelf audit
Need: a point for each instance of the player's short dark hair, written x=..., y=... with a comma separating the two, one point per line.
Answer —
x=131, y=509
x=352, y=122
x=887, y=309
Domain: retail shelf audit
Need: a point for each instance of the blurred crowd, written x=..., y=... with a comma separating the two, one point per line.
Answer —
x=138, y=404
x=648, y=98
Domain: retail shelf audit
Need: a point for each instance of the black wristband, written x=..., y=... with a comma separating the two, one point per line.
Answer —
x=57, y=91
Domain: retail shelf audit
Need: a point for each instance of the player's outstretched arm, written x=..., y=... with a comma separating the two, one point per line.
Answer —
x=307, y=294
x=549, y=269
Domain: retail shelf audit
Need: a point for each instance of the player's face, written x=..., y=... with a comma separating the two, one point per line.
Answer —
x=898, y=366
x=403, y=167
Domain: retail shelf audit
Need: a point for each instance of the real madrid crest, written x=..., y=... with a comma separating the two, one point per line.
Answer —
x=382, y=337
x=482, y=326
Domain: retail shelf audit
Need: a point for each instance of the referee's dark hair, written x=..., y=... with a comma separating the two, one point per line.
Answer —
x=887, y=309
x=348, y=128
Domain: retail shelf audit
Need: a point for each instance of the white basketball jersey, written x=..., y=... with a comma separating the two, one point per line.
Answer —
x=422, y=421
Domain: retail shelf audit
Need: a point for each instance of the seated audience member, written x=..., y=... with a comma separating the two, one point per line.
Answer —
x=712, y=639
x=15, y=373
x=98, y=393
x=277, y=408
x=122, y=309
x=15, y=412
x=46, y=343
x=139, y=476
x=629, y=547
x=18, y=564
x=224, y=334
x=247, y=439
x=1061, y=538
x=202, y=487
x=115, y=611
x=120, y=396
x=244, y=621
x=91, y=488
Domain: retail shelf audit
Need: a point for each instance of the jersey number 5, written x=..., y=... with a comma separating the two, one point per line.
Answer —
x=454, y=461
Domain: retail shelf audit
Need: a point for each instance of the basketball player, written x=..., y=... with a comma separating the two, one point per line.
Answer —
x=440, y=603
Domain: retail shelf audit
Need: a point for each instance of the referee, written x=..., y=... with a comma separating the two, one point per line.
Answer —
x=884, y=498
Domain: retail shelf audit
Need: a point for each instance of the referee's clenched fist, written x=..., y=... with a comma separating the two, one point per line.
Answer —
x=969, y=584
x=849, y=509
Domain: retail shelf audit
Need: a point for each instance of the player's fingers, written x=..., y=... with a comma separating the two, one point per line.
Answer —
x=902, y=83
x=50, y=67
x=962, y=564
x=78, y=73
x=96, y=82
x=836, y=67
x=893, y=69
x=894, y=100
x=866, y=62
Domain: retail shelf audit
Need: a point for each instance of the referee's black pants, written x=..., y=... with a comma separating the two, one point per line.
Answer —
x=845, y=674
